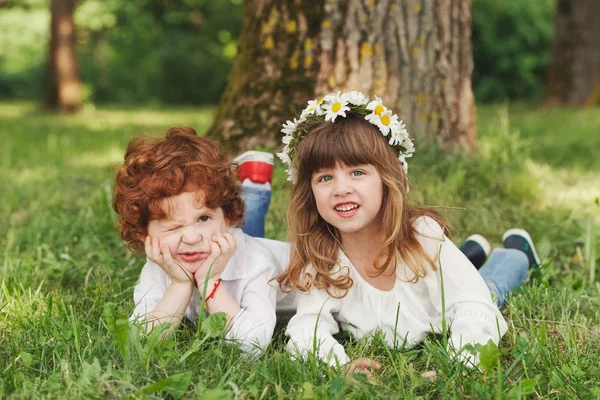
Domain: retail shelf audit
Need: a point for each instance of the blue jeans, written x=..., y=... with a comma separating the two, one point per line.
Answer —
x=257, y=198
x=506, y=269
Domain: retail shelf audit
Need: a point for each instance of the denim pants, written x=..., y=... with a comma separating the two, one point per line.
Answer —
x=257, y=198
x=506, y=269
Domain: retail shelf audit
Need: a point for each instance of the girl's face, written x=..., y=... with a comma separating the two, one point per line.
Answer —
x=188, y=229
x=349, y=198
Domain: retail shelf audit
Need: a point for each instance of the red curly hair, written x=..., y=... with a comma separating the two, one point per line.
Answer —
x=158, y=168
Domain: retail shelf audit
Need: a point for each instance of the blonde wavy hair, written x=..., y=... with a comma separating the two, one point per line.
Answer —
x=351, y=141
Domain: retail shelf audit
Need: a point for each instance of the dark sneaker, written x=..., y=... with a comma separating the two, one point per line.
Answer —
x=519, y=239
x=257, y=166
x=477, y=249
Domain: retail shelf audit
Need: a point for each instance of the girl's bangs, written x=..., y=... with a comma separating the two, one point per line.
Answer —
x=347, y=141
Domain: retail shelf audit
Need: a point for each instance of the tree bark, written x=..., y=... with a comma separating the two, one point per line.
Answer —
x=414, y=54
x=574, y=74
x=63, y=89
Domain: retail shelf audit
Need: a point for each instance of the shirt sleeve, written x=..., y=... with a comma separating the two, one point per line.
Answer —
x=150, y=289
x=279, y=250
x=253, y=326
x=313, y=327
x=471, y=314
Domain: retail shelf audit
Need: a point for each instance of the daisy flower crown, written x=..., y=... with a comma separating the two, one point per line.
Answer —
x=335, y=105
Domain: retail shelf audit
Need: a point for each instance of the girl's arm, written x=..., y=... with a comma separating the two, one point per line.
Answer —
x=311, y=330
x=470, y=312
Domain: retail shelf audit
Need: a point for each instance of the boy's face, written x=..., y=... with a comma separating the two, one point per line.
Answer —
x=188, y=229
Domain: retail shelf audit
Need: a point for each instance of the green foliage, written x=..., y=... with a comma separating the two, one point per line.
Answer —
x=489, y=356
x=142, y=51
x=181, y=51
x=172, y=52
x=23, y=50
x=512, y=43
x=66, y=280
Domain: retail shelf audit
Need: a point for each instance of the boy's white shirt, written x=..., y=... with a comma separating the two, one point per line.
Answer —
x=405, y=314
x=247, y=279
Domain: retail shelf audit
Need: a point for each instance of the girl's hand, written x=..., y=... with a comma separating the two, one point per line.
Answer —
x=431, y=375
x=222, y=248
x=362, y=366
x=161, y=255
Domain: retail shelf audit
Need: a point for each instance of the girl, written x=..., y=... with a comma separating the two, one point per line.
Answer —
x=363, y=258
x=180, y=203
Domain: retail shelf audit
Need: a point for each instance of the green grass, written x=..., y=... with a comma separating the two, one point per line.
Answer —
x=66, y=280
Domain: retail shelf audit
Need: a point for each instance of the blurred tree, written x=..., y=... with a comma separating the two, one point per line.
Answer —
x=176, y=51
x=512, y=45
x=24, y=36
x=63, y=89
x=574, y=74
x=415, y=55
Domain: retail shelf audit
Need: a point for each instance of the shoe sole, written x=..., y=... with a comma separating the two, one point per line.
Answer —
x=523, y=233
x=254, y=155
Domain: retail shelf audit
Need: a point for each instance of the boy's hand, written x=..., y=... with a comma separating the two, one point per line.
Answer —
x=161, y=255
x=222, y=247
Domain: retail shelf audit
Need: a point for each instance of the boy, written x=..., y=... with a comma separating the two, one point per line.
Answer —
x=179, y=201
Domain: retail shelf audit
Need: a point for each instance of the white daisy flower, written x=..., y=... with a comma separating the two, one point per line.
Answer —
x=409, y=146
x=402, y=127
x=284, y=156
x=395, y=137
x=335, y=104
x=292, y=174
x=314, y=107
x=385, y=121
x=290, y=126
x=328, y=97
x=399, y=132
x=404, y=163
x=373, y=118
x=376, y=106
x=378, y=109
x=357, y=98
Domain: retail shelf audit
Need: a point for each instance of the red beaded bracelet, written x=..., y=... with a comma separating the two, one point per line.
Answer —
x=212, y=292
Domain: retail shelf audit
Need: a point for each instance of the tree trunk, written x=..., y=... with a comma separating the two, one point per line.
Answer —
x=414, y=54
x=574, y=74
x=63, y=90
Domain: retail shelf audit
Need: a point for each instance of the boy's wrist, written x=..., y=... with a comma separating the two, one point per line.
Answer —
x=208, y=275
x=213, y=286
x=209, y=281
x=188, y=286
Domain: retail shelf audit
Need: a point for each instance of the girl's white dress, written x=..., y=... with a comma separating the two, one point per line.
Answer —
x=408, y=312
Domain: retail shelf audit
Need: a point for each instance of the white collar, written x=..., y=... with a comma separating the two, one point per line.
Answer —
x=403, y=272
